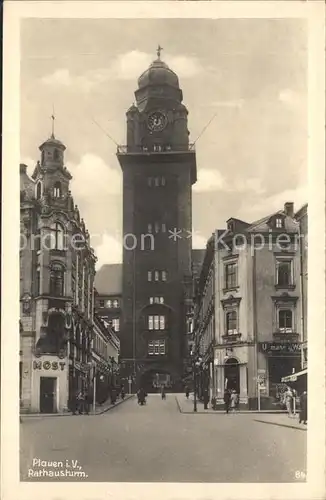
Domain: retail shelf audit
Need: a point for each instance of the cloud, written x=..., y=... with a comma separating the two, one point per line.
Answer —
x=198, y=240
x=209, y=180
x=93, y=179
x=109, y=251
x=267, y=205
x=127, y=66
x=212, y=180
x=30, y=164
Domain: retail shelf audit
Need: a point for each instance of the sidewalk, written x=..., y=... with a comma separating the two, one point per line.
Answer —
x=99, y=410
x=187, y=406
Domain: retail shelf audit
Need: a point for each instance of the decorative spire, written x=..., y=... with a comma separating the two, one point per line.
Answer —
x=53, y=118
x=158, y=52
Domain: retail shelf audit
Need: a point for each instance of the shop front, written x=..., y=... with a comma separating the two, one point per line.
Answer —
x=282, y=359
x=49, y=385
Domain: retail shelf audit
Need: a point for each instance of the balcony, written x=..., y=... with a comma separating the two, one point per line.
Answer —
x=157, y=149
x=286, y=334
x=230, y=338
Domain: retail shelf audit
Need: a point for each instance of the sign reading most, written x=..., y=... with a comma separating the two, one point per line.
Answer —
x=49, y=365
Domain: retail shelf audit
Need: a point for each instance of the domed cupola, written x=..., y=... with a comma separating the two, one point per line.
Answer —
x=158, y=73
x=156, y=83
x=52, y=153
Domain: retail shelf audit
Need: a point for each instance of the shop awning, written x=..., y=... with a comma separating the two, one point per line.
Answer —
x=294, y=376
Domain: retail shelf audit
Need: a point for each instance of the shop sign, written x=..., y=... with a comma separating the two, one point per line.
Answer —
x=279, y=347
x=49, y=365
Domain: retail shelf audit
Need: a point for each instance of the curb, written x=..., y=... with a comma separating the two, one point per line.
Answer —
x=222, y=412
x=116, y=404
x=69, y=414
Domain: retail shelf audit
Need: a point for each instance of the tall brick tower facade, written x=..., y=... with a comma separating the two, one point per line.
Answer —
x=159, y=168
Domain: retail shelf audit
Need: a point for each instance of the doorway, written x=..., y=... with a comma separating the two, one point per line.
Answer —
x=48, y=386
x=232, y=375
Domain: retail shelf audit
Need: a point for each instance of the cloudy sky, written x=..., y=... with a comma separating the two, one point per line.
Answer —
x=250, y=75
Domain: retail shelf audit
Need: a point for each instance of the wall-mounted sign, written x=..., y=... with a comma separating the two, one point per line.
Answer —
x=49, y=365
x=279, y=347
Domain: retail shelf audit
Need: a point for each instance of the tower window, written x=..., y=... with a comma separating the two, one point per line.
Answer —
x=284, y=273
x=163, y=228
x=157, y=227
x=157, y=181
x=149, y=228
x=231, y=322
x=285, y=323
x=156, y=322
x=163, y=275
x=157, y=275
x=56, y=236
x=57, y=280
x=57, y=190
x=38, y=190
x=149, y=181
x=156, y=347
x=163, y=181
x=42, y=158
x=149, y=276
x=56, y=154
x=156, y=300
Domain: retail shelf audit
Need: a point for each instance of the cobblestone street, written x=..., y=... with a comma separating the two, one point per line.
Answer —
x=158, y=443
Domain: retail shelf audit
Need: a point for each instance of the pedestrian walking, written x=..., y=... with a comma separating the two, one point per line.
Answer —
x=80, y=402
x=187, y=391
x=163, y=394
x=303, y=408
x=289, y=401
x=227, y=397
x=233, y=400
x=86, y=402
x=206, y=399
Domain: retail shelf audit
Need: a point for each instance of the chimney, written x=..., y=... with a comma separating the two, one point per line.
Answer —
x=289, y=208
x=22, y=168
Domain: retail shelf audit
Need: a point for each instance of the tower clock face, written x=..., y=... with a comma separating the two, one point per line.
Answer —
x=156, y=121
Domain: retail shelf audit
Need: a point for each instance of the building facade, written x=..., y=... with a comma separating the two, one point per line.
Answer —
x=108, y=295
x=159, y=168
x=57, y=269
x=302, y=217
x=104, y=357
x=248, y=313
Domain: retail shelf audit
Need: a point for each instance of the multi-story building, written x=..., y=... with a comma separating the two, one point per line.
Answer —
x=247, y=322
x=159, y=168
x=57, y=269
x=302, y=217
x=108, y=294
x=104, y=356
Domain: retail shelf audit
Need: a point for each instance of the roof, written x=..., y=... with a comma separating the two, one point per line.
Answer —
x=261, y=225
x=108, y=279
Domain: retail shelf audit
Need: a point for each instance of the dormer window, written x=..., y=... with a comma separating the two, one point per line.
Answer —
x=279, y=222
x=57, y=190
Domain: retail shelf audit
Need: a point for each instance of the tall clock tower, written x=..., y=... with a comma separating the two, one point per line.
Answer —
x=159, y=168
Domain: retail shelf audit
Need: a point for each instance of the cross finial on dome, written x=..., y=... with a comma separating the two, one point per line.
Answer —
x=159, y=50
x=53, y=118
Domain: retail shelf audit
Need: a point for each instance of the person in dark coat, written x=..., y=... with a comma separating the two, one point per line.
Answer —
x=113, y=396
x=206, y=399
x=227, y=397
x=163, y=394
x=303, y=408
x=86, y=402
x=141, y=394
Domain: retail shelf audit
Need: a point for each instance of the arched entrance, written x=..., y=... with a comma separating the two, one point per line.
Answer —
x=153, y=379
x=232, y=375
